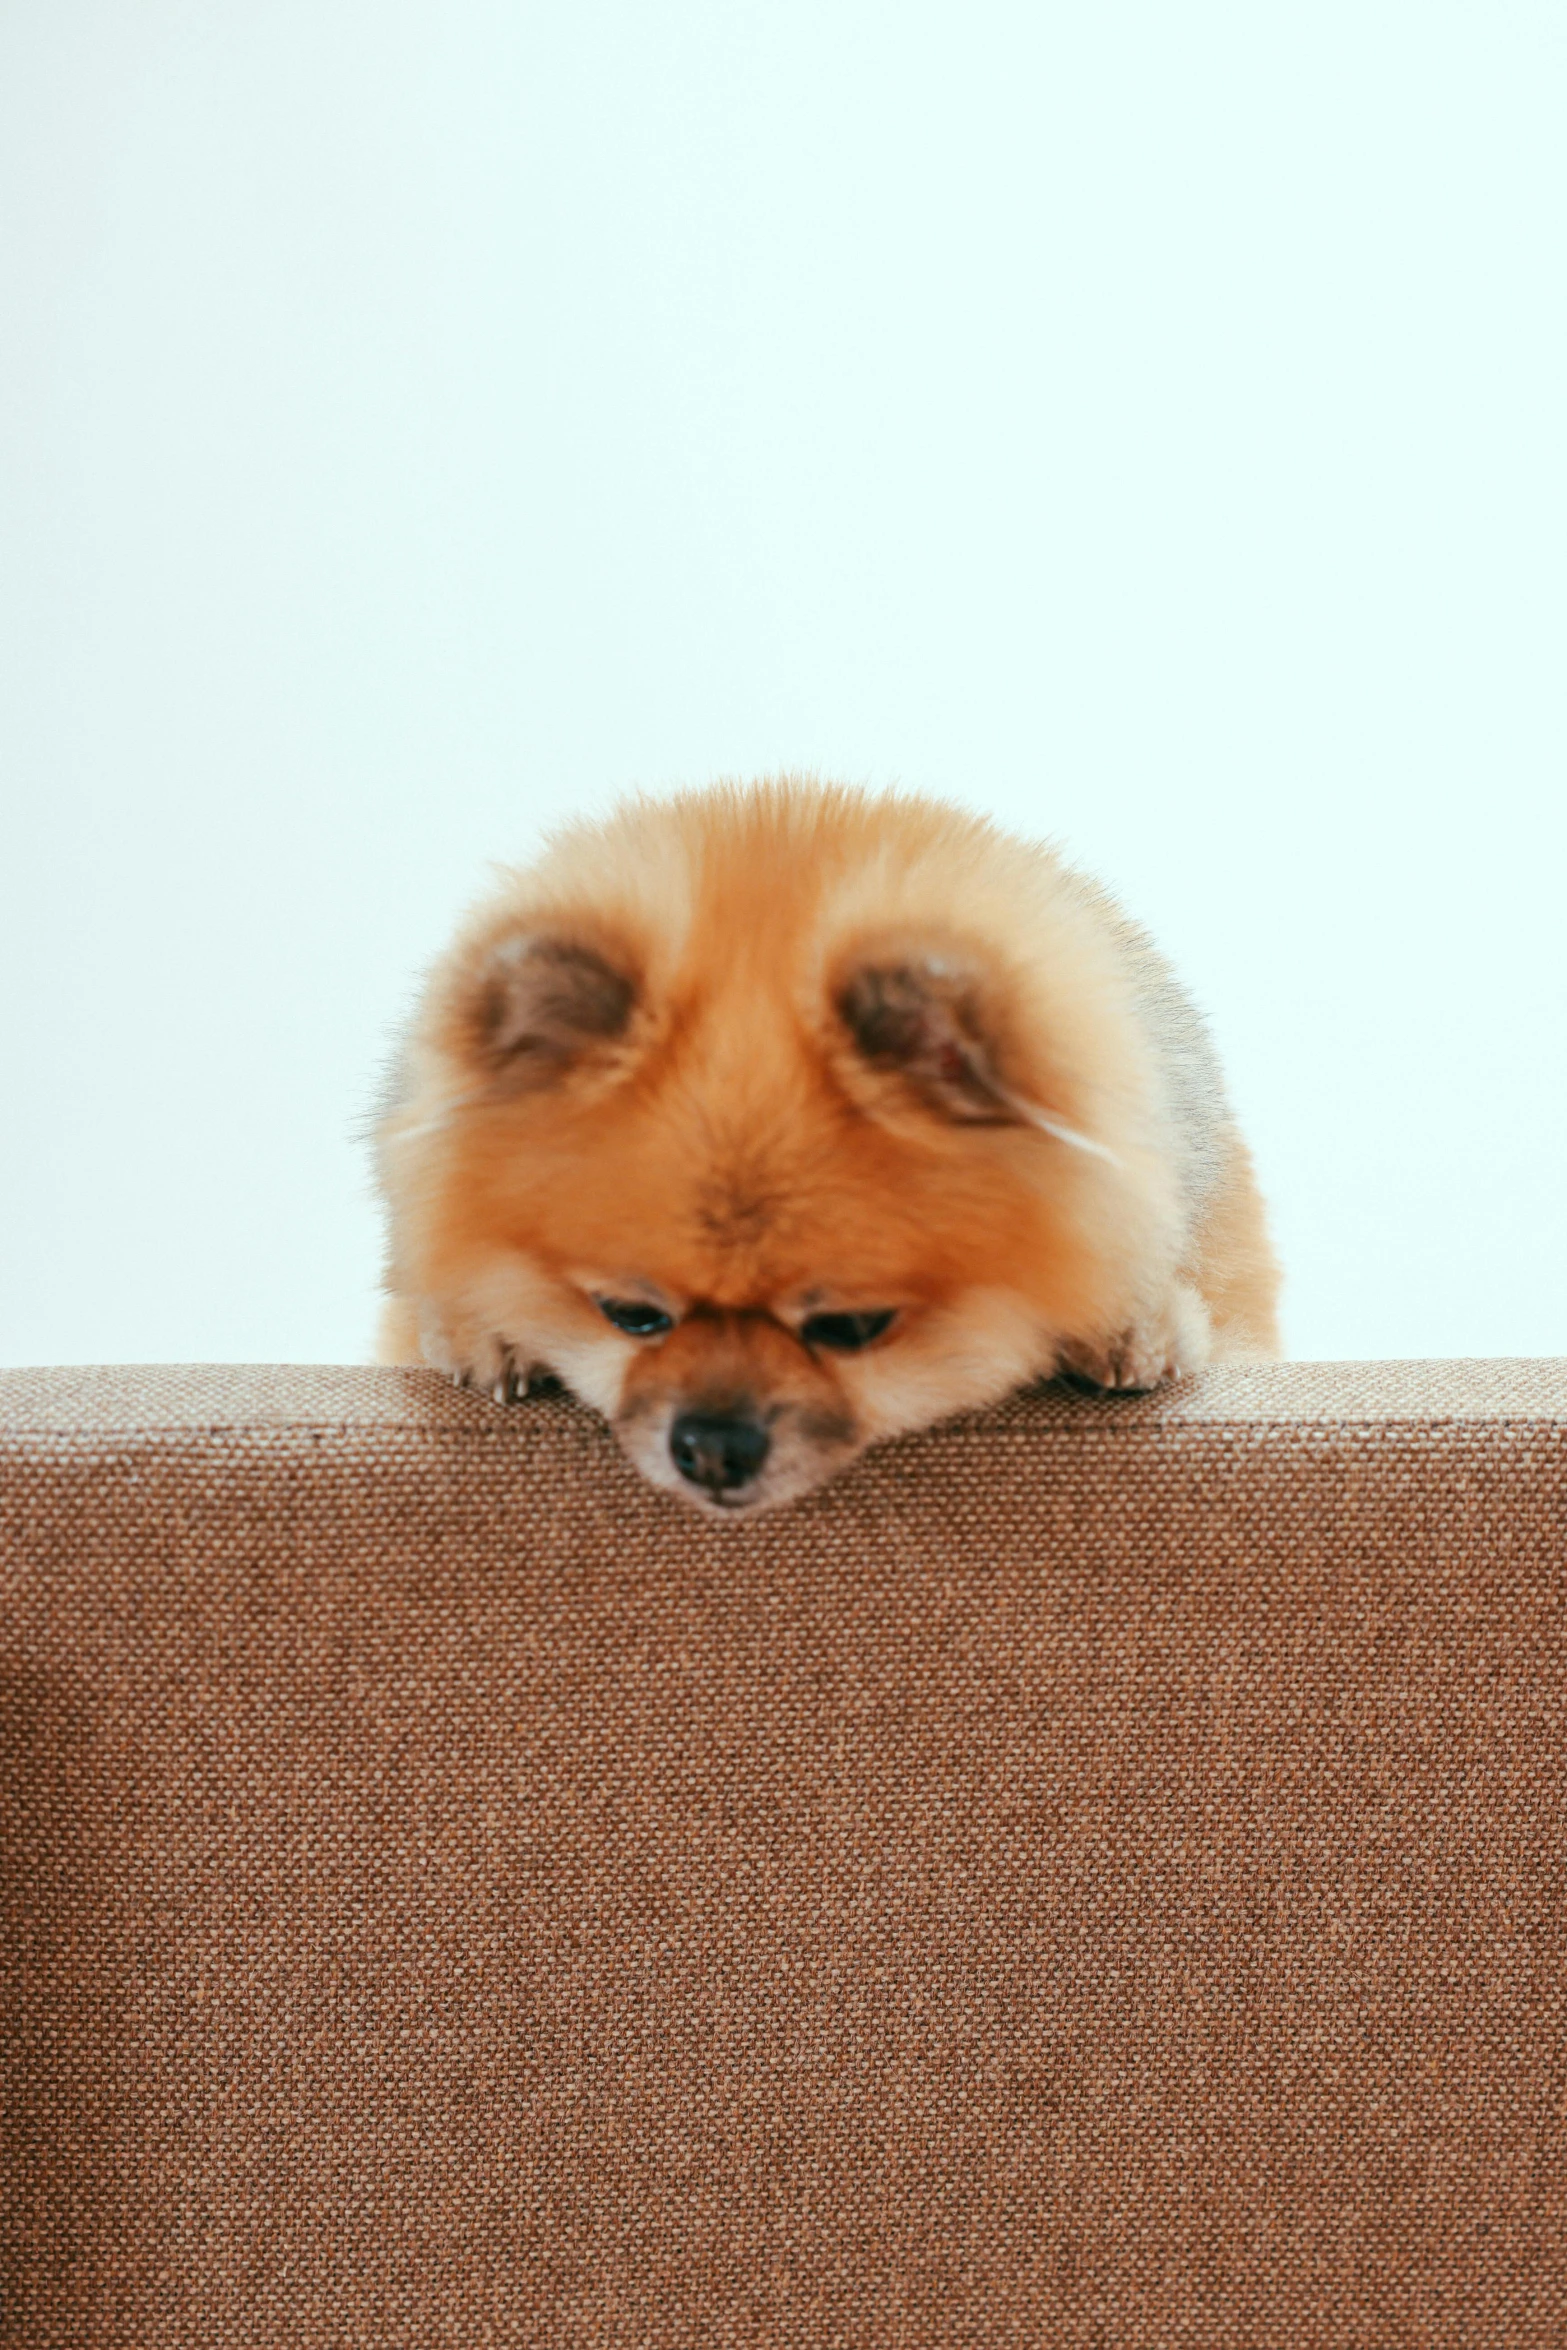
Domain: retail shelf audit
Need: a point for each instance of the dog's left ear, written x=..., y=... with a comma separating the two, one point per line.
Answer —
x=542, y=1004
x=924, y=1018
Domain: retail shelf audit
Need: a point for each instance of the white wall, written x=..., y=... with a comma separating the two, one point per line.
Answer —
x=421, y=419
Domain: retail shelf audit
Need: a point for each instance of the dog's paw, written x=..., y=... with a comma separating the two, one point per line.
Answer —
x=497, y=1373
x=486, y=1365
x=1156, y=1348
x=483, y=1361
x=494, y=1375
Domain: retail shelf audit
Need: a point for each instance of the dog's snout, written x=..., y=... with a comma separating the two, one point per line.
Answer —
x=717, y=1451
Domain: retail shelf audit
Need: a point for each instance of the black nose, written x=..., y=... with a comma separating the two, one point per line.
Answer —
x=713, y=1450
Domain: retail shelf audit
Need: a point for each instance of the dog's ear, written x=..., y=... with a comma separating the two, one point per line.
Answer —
x=926, y=1018
x=541, y=1004
x=921, y=1019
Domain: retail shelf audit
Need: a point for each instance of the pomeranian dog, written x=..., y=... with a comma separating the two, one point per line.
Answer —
x=777, y=1120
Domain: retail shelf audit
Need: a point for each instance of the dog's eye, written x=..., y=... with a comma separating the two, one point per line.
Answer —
x=845, y=1333
x=635, y=1318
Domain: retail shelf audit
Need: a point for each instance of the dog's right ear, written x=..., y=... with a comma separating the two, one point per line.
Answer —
x=540, y=1005
x=927, y=1019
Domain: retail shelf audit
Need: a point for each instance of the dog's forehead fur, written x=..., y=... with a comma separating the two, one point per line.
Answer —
x=751, y=1196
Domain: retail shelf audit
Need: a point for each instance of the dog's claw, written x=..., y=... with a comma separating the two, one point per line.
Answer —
x=510, y=1384
x=1163, y=1344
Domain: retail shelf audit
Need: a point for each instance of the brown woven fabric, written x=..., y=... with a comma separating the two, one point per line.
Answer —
x=1093, y=1876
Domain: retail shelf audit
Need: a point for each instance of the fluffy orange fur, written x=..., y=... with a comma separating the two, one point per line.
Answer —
x=756, y=1060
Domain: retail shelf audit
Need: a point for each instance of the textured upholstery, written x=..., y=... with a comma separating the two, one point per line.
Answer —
x=1092, y=1876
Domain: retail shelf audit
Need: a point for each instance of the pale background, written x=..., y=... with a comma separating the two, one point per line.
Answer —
x=418, y=421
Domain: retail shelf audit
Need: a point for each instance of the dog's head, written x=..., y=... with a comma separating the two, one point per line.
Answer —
x=761, y=1192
